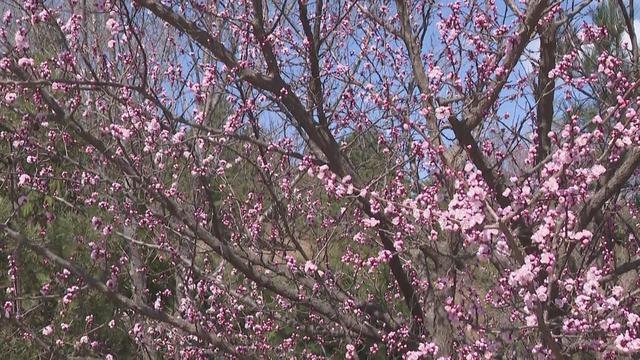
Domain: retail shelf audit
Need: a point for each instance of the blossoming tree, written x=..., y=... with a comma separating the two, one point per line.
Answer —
x=317, y=179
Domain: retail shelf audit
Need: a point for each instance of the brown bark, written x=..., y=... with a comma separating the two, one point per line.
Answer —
x=545, y=92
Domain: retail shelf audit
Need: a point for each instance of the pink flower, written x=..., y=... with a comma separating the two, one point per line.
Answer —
x=598, y=170
x=541, y=292
x=10, y=97
x=522, y=276
x=8, y=309
x=547, y=258
x=552, y=185
x=310, y=267
x=370, y=222
x=531, y=320
x=48, y=330
x=5, y=63
x=443, y=112
x=120, y=132
x=56, y=86
x=178, y=137
x=24, y=179
x=107, y=230
x=484, y=252
x=435, y=73
x=153, y=126
x=112, y=26
x=626, y=343
x=425, y=351
x=351, y=352
x=25, y=62
x=96, y=222
x=6, y=17
x=21, y=41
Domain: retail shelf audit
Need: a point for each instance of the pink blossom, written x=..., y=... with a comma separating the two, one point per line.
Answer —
x=598, y=170
x=10, y=97
x=120, y=132
x=25, y=62
x=370, y=222
x=425, y=351
x=8, y=309
x=113, y=26
x=541, y=293
x=551, y=185
x=310, y=267
x=627, y=343
x=21, y=42
x=24, y=179
x=47, y=330
x=522, y=276
x=351, y=352
x=443, y=112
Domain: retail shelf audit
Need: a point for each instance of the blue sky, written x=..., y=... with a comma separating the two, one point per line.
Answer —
x=515, y=108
